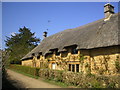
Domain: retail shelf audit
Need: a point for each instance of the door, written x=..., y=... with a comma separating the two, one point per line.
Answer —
x=53, y=65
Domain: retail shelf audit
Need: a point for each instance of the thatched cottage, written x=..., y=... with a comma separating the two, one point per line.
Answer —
x=92, y=48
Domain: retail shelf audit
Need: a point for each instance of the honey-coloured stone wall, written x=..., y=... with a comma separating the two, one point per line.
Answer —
x=96, y=61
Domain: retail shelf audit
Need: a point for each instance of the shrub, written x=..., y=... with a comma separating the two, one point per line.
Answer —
x=25, y=69
x=117, y=65
x=79, y=79
x=71, y=78
x=55, y=75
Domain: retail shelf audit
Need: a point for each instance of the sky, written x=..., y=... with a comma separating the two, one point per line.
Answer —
x=54, y=16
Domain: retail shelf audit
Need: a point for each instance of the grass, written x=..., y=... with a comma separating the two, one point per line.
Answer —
x=63, y=85
x=36, y=77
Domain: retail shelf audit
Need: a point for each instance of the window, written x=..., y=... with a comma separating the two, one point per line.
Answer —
x=77, y=67
x=57, y=53
x=64, y=54
x=74, y=51
x=38, y=57
x=73, y=68
x=69, y=67
x=33, y=54
x=49, y=55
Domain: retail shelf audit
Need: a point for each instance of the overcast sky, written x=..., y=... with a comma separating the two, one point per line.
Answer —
x=54, y=16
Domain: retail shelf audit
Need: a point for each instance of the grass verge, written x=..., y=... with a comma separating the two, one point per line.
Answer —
x=63, y=85
x=36, y=77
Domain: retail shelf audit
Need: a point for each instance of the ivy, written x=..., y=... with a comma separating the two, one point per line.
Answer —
x=117, y=64
x=81, y=57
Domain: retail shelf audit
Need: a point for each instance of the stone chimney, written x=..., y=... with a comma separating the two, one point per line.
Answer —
x=108, y=10
x=45, y=34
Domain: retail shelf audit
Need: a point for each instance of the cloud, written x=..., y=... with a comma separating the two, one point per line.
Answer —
x=13, y=33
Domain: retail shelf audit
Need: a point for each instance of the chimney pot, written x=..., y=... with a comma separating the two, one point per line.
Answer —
x=45, y=34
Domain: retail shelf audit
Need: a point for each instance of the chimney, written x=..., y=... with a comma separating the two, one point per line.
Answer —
x=45, y=34
x=108, y=10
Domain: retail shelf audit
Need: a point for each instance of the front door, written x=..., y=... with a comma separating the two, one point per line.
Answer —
x=53, y=65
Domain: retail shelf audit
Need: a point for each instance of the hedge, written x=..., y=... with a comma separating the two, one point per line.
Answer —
x=80, y=80
x=25, y=69
x=72, y=78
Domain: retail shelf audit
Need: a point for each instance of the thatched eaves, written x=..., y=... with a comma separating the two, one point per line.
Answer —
x=93, y=35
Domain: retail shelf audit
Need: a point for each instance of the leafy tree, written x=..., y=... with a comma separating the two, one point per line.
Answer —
x=20, y=44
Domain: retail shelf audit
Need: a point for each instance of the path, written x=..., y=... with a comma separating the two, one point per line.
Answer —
x=28, y=82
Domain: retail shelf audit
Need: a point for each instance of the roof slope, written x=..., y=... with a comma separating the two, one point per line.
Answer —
x=93, y=35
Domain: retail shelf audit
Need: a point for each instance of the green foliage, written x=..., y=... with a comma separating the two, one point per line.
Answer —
x=101, y=71
x=5, y=56
x=80, y=80
x=55, y=75
x=117, y=64
x=90, y=75
x=81, y=57
x=96, y=84
x=61, y=84
x=20, y=44
x=111, y=85
x=71, y=78
x=25, y=69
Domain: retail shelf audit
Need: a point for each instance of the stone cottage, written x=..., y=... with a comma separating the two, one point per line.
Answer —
x=92, y=48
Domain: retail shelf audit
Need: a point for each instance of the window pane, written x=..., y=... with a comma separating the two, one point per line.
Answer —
x=69, y=67
x=73, y=68
x=74, y=51
x=77, y=67
x=57, y=53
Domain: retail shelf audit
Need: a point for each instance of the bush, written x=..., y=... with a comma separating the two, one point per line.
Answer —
x=25, y=69
x=55, y=75
x=80, y=80
x=72, y=78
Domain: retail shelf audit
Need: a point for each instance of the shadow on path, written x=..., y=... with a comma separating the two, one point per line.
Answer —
x=8, y=84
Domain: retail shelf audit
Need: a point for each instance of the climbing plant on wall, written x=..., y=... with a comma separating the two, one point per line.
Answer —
x=117, y=63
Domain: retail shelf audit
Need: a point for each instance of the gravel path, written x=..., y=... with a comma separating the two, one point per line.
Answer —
x=28, y=82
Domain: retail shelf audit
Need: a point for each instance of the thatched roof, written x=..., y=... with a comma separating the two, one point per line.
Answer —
x=93, y=35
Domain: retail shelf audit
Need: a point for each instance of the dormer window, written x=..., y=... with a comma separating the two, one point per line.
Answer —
x=74, y=51
x=33, y=54
x=40, y=53
x=64, y=54
x=48, y=55
x=57, y=53
x=38, y=56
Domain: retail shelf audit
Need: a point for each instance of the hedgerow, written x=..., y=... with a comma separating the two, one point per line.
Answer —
x=72, y=78
x=25, y=69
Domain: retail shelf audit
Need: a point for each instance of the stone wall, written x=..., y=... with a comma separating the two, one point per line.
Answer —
x=96, y=61
x=103, y=60
x=27, y=63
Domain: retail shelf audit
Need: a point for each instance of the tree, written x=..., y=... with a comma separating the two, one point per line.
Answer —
x=20, y=44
